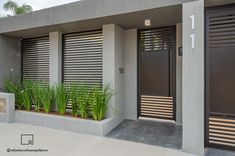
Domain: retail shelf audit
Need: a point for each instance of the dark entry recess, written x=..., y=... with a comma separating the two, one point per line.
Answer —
x=220, y=77
x=156, y=73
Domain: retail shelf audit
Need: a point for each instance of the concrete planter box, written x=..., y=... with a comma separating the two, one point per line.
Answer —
x=7, y=107
x=85, y=126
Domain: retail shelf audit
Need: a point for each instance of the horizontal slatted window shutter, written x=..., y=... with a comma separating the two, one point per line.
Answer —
x=83, y=58
x=156, y=39
x=222, y=29
x=35, y=59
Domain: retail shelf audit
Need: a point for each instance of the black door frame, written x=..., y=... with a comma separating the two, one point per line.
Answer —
x=172, y=72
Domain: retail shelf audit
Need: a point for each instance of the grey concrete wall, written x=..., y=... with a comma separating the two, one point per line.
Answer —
x=193, y=79
x=108, y=60
x=55, y=71
x=78, y=11
x=63, y=123
x=10, y=59
x=178, y=74
x=113, y=60
x=9, y=114
x=118, y=72
x=130, y=69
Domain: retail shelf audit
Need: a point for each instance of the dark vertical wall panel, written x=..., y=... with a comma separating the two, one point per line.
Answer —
x=220, y=77
x=154, y=78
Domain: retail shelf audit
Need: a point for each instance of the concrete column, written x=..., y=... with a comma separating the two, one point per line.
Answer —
x=55, y=58
x=130, y=65
x=113, y=68
x=10, y=59
x=193, y=77
x=178, y=74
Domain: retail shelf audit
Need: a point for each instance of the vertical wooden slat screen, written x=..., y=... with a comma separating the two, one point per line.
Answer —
x=35, y=59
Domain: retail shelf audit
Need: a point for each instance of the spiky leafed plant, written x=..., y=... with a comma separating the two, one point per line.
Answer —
x=17, y=9
x=99, y=101
x=16, y=89
x=36, y=86
x=27, y=94
x=83, y=100
x=74, y=98
x=61, y=98
x=46, y=96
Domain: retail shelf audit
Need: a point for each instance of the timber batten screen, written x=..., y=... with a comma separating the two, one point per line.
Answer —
x=35, y=59
x=220, y=77
x=156, y=71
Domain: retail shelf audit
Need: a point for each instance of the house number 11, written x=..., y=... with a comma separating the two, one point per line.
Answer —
x=192, y=36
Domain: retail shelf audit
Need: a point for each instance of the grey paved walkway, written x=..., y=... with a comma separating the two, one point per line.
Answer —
x=62, y=143
x=157, y=133
x=217, y=152
x=163, y=134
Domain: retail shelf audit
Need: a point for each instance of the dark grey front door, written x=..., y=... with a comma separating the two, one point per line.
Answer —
x=157, y=73
x=220, y=77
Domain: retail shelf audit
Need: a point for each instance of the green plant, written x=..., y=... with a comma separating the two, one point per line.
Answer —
x=61, y=98
x=15, y=88
x=74, y=98
x=16, y=9
x=27, y=94
x=46, y=96
x=99, y=101
x=83, y=100
x=35, y=88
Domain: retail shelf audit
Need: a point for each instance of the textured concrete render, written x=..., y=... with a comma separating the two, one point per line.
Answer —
x=193, y=79
x=10, y=58
x=217, y=152
x=9, y=114
x=164, y=134
x=81, y=10
x=78, y=125
x=62, y=143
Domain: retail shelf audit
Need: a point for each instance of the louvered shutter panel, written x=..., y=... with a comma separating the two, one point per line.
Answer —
x=35, y=59
x=83, y=60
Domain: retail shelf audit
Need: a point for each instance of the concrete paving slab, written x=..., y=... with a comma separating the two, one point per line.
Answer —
x=159, y=133
x=63, y=143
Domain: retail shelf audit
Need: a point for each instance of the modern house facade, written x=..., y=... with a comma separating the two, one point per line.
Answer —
x=165, y=59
